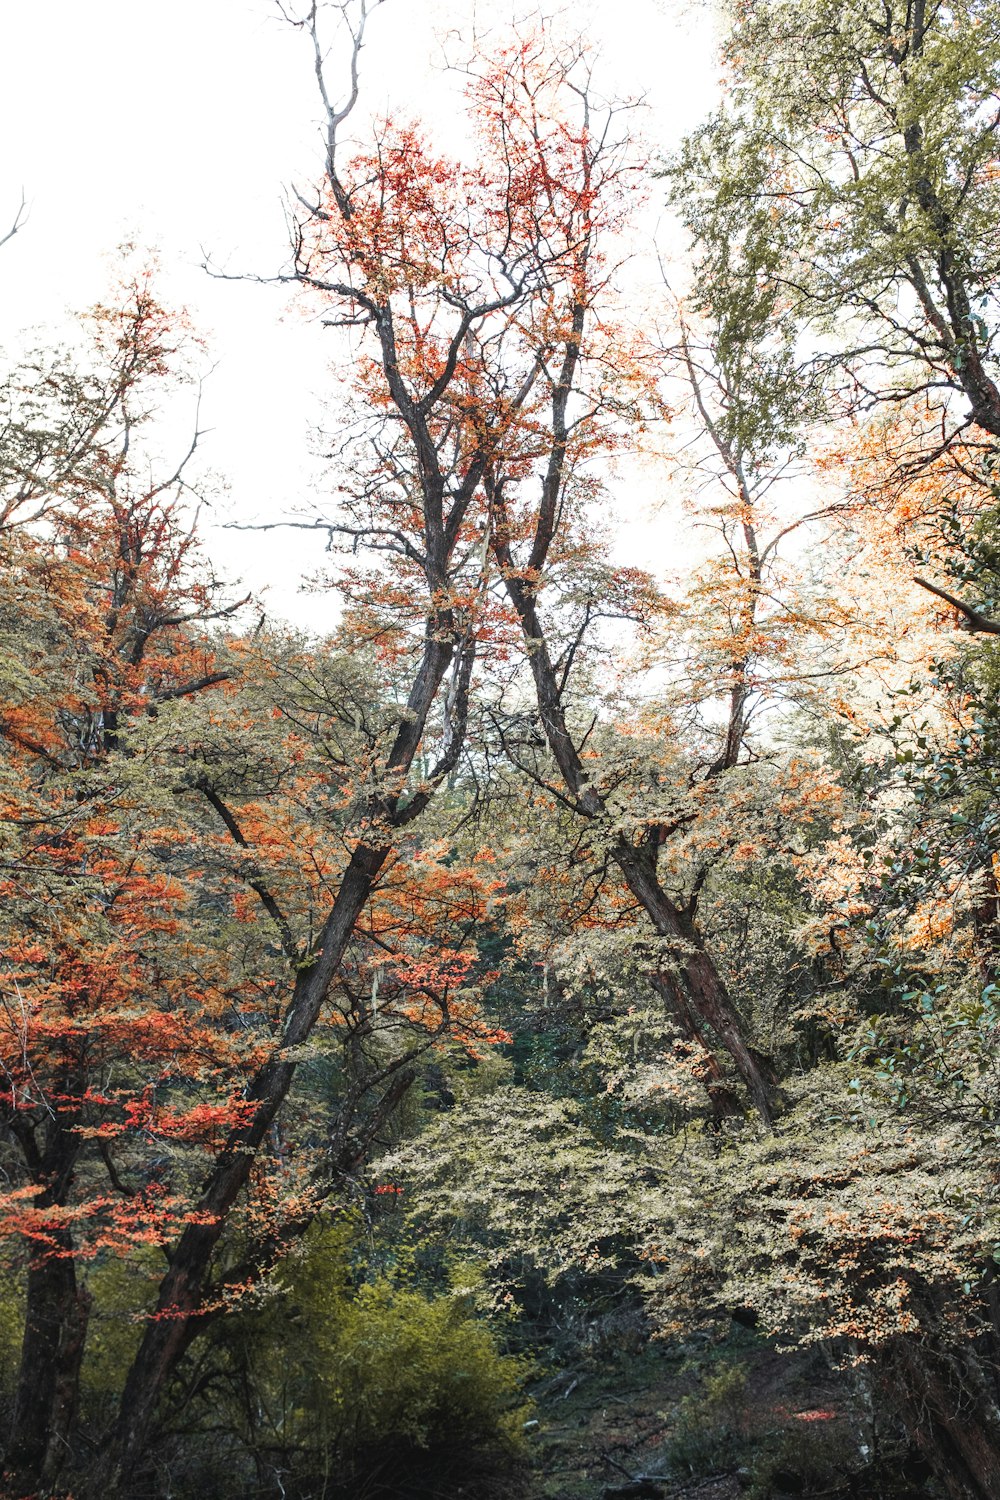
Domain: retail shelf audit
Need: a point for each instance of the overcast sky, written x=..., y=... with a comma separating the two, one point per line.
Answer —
x=181, y=124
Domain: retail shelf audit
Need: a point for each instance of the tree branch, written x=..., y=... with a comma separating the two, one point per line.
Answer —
x=973, y=621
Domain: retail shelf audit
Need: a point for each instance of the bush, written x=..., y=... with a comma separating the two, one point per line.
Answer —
x=385, y=1359
x=398, y=1364
x=718, y=1427
x=710, y=1424
x=368, y=1380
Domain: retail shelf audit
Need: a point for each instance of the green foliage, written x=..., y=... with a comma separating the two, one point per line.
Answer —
x=719, y=185
x=709, y=1425
x=11, y=1328
x=120, y=1289
x=811, y=1458
x=723, y=1424
x=854, y=158
x=400, y=1365
x=521, y=1180
x=348, y=1369
x=390, y=1362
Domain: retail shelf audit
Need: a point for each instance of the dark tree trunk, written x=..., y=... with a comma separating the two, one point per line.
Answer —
x=55, y=1309
x=724, y=1102
x=947, y=1406
x=179, y=1315
x=703, y=985
x=48, y=1387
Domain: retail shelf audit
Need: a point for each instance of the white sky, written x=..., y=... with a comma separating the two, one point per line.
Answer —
x=180, y=124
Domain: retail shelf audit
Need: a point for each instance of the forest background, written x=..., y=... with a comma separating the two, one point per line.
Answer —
x=531, y=971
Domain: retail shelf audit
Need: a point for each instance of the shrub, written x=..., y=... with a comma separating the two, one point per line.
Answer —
x=393, y=1362
x=709, y=1424
x=366, y=1377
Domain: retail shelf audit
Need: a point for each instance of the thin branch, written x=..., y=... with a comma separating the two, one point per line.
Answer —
x=255, y=878
x=20, y=219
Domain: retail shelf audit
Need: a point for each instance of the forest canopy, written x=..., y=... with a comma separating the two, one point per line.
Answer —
x=554, y=980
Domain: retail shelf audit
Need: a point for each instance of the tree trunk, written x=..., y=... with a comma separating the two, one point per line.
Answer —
x=723, y=1100
x=948, y=1410
x=48, y=1387
x=180, y=1313
x=702, y=983
x=55, y=1310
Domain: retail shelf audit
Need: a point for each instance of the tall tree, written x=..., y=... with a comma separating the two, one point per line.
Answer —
x=101, y=619
x=498, y=375
x=868, y=137
x=193, y=826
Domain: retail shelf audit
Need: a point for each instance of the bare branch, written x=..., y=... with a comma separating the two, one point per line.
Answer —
x=972, y=620
x=20, y=219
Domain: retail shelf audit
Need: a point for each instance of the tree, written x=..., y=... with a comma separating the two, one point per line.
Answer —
x=101, y=619
x=495, y=372
x=875, y=164
x=373, y=243
x=162, y=783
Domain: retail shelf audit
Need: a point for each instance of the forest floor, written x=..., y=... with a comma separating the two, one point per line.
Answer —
x=707, y=1422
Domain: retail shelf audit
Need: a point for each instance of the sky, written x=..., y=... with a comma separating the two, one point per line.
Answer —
x=182, y=125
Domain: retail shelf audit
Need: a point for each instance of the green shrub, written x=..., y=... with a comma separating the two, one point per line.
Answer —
x=709, y=1424
x=718, y=1427
x=397, y=1364
x=818, y=1457
x=349, y=1372
x=389, y=1361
